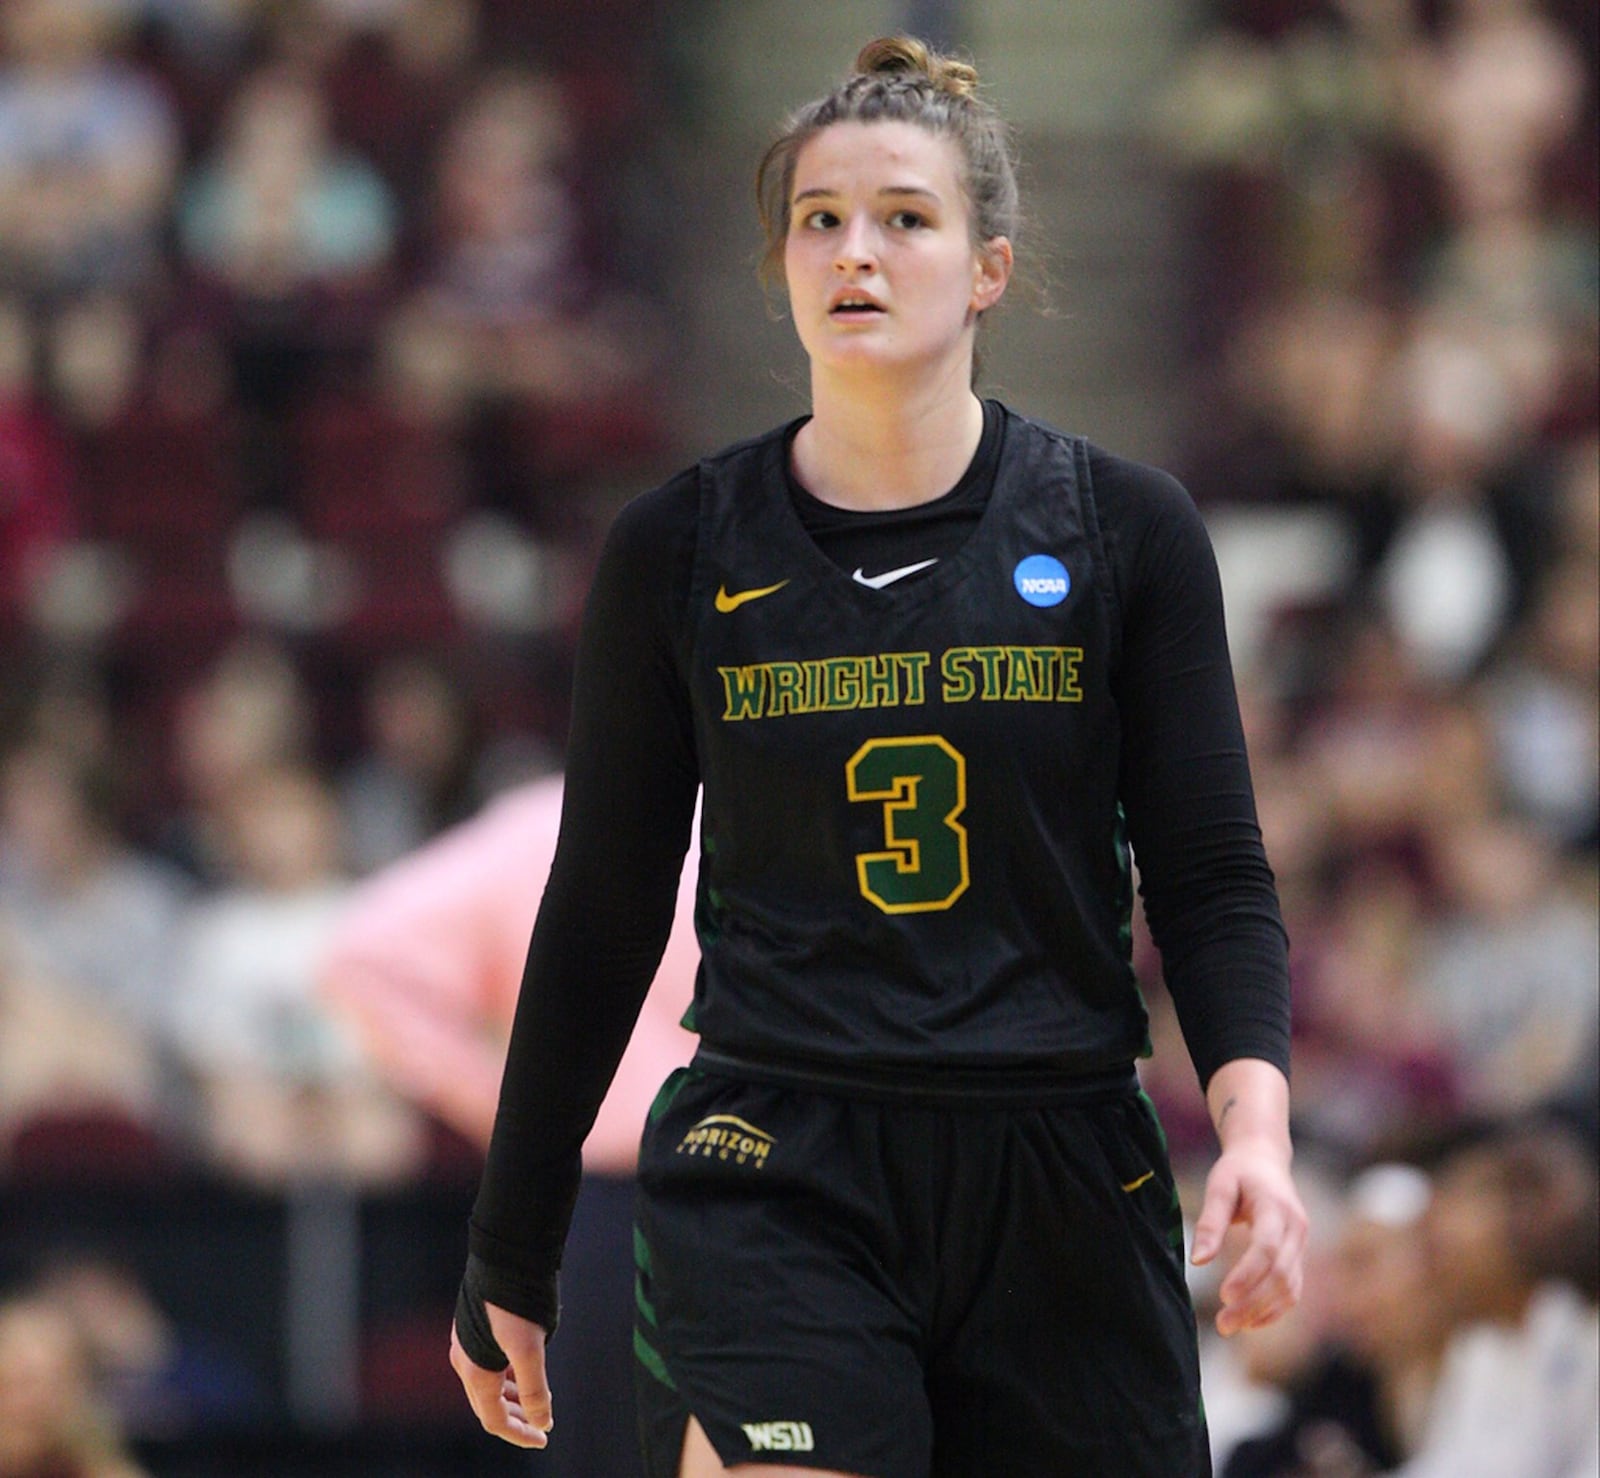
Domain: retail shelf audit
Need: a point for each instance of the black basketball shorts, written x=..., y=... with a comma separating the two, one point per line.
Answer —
x=904, y=1290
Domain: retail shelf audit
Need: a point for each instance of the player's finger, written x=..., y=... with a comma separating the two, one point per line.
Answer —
x=528, y=1369
x=529, y=1383
x=1274, y=1258
x=533, y=1398
x=1257, y=1313
x=526, y=1396
x=1270, y=1283
x=1274, y=1309
x=1264, y=1255
x=495, y=1400
x=519, y=1419
x=1217, y=1213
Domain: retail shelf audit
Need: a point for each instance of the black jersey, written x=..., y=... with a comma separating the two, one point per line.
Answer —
x=912, y=850
x=913, y=791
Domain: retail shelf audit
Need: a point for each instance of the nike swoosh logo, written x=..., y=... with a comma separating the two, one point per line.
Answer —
x=888, y=577
x=726, y=602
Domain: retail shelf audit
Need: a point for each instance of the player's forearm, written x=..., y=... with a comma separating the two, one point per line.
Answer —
x=1249, y=1104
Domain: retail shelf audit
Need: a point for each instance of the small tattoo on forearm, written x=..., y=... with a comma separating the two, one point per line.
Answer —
x=1222, y=1113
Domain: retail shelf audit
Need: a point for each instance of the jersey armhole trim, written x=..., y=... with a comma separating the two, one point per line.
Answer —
x=1105, y=566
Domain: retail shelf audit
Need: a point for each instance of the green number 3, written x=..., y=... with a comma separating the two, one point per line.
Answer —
x=922, y=782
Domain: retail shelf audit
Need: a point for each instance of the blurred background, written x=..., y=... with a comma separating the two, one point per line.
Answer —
x=332, y=335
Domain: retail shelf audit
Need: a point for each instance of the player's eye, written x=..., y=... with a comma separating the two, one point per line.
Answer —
x=819, y=220
x=907, y=220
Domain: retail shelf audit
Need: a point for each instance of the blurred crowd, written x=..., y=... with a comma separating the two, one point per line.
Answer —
x=328, y=329
x=315, y=316
x=324, y=329
x=1395, y=333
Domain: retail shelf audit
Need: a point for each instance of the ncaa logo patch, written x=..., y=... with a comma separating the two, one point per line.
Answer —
x=1042, y=580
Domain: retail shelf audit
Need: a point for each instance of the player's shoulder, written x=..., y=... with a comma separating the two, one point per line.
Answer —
x=750, y=451
x=1132, y=498
x=668, y=512
x=1137, y=497
x=652, y=539
x=1110, y=473
x=1155, y=535
x=1139, y=482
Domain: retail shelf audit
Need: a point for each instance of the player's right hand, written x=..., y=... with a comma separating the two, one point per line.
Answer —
x=514, y=1403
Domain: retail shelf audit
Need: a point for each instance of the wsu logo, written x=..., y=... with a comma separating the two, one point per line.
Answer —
x=779, y=1436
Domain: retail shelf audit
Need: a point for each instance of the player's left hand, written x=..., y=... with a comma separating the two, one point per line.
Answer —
x=512, y=1403
x=1250, y=1186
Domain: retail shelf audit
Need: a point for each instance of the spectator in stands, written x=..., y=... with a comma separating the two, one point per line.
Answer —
x=506, y=222
x=99, y=349
x=1359, y=1407
x=74, y=1075
x=1513, y=1238
x=252, y=709
x=398, y=72
x=1308, y=380
x=1369, y=1053
x=415, y=775
x=509, y=288
x=1493, y=98
x=277, y=209
x=83, y=906
x=427, y=961
x=1393, y=756
x=286, y=1091
x=158, y=1378
x=1510, y=969
x=1446, y=580
x=297, y=233
x=1542, y=700
x=88, y=155
x=51, y=1425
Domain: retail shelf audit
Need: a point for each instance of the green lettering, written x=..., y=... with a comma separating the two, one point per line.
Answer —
x=989, y=659
x=959, y=682
x=745, y=689
x=1021, y=682
x=1070, y=690
x=841, y=687
x=915, y=667
x=788, y=689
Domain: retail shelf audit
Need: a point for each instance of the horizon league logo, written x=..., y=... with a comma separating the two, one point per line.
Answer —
x=728, y=1137
x=779, y=1436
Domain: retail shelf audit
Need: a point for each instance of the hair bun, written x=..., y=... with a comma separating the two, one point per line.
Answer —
x=906, y=54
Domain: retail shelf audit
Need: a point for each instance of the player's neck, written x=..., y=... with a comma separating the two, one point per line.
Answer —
x=891, y=450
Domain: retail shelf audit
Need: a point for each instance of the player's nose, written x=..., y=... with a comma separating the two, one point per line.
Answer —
x=857, y=245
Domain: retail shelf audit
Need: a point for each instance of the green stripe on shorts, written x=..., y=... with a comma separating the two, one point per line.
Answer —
x=652, y=1361
x=646, y=1308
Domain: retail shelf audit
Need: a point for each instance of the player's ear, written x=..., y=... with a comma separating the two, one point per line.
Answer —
x=991, y=271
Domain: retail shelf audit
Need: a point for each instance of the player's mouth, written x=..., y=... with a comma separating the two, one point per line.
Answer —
x=854, y=304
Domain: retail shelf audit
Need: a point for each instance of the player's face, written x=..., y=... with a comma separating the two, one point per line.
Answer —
x=882, y=269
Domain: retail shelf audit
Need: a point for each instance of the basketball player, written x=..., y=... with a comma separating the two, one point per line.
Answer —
x=936, y=668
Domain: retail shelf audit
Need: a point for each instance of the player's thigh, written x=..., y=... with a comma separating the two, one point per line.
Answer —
x=700, y=1460
x=1075, y=1350
x=769, y=1299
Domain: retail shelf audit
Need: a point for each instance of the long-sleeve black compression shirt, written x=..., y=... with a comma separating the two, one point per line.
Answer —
x=632, y=781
